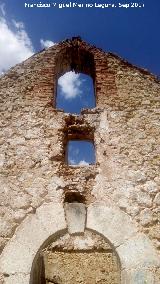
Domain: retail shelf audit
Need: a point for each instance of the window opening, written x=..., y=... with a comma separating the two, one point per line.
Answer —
x=75, y=91
x=80, y=153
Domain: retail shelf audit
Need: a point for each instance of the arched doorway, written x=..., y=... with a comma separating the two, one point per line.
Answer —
x=138, y=258
x=71, y=259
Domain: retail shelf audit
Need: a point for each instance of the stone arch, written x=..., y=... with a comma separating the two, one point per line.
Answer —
x=78, y=58
x=138, y=257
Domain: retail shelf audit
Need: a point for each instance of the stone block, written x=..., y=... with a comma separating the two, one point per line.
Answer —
x=138, y=252
x=52, y=217
x=157, y=199
x=113, y=223
x=17, y=279
x=75, y=217
x=18, y=255
x=146, y=217
x=138, y=276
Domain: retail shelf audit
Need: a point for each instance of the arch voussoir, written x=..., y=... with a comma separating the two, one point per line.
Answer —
x=18, y=255
x=137, y=255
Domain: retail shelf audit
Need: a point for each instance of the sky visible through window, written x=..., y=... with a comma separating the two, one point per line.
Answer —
x=74, y=92
x=81, y=153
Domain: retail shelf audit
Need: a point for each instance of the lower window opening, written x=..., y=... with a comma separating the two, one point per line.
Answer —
x=80, y=153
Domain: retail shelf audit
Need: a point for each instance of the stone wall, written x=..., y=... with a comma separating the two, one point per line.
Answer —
x=124, y=127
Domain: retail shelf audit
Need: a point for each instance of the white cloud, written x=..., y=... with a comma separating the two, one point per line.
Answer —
x=72, y=162
x=70, y=84
x=18, y=25
x=15, y=44
x=83, y=163
x=46, y=43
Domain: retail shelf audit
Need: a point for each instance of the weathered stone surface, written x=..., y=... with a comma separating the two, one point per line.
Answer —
x=75, y=217
x=89, y=241
x=146, y=217
x=113, y=223
x=3, y=242
x=157, y=199
x=1, y=279
x=18, y=255
x=144, y=199
x=68, y=268
x=17, y=278
x=20, y=201
x=52, y=217
x=151, y=187
x=138, y=276
x=37, y=188
x=138, y=252
x=124, y=126
x=5, y=228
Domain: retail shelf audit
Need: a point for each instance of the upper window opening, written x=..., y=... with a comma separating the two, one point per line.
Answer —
x=75, y=92
x=80, y=153
x=74, y=83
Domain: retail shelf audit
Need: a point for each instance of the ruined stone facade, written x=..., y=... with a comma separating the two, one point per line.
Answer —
x=100, y=221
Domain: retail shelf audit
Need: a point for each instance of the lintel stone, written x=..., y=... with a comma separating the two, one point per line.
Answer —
x=76, y=217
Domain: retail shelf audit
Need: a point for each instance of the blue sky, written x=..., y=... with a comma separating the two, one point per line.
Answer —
x=132, y=33
x=81, y=153
x=75, y=92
